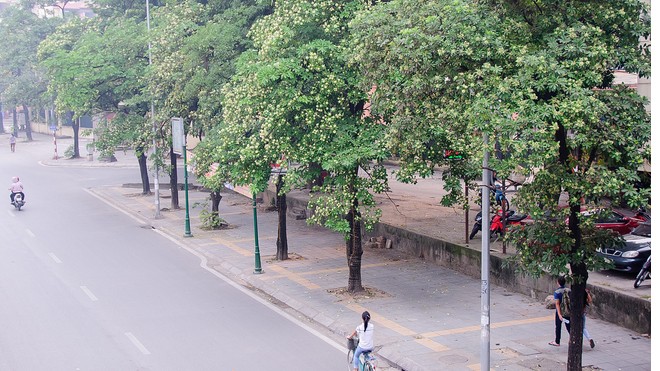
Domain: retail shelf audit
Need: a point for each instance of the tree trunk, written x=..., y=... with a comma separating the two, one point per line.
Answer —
x=354, y=252
x=579, y=272
x=14, y=117
x=142, y=161
x=174, y=181
x=215, y=204
x=282, y=243
x=354, y=243
x=2, y=120
x=318, y=180
x=580, y=275
x=75, y=125
x=577, y=295
x=28, y=127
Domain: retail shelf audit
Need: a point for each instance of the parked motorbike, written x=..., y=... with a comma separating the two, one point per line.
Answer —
x=18, y=201
x=644, y=273
x=510, y=218
x=496, y=227
x=477, y=225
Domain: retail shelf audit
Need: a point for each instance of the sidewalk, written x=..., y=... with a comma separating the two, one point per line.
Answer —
x=427, y=317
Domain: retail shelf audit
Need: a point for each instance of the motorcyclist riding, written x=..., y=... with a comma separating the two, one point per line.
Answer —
x=16, y=188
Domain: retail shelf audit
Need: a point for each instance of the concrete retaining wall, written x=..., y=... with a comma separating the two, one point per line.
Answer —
x=609, y=305
x=623, y=310
x=62, y=131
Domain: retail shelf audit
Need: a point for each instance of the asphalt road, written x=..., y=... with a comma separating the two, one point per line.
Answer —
x=85, y=287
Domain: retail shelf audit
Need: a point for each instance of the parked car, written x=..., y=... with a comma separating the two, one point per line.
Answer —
x=615, y=221
x=630, y=255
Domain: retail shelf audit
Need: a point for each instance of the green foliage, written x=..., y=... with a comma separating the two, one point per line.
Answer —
x=423, y=62
x=297, y=100
x=68, y=153
x=21, y=79
x=529, y=75
x=211, y=220
x=94, y=65
x=195, y=47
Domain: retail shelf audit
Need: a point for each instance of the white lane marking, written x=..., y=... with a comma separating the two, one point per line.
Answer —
x=57, y=260
x=11, y=213
x=114, y=206
x=29, y=232
x=137, y=343
x=204, y=264
x=89, y=293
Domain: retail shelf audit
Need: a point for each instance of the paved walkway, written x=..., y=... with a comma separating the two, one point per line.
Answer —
x=427, y=317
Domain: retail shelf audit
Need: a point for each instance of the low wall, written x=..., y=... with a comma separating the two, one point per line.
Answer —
x=623, y=310
x=62, y=131
x=611, y=306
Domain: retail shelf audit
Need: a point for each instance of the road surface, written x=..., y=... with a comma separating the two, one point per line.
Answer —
x=83, y=286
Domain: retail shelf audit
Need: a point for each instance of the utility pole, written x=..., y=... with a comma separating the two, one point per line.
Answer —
x=153, y=121
x=485, y=261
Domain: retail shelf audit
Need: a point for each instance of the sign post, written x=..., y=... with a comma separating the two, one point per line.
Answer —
x=179, y=147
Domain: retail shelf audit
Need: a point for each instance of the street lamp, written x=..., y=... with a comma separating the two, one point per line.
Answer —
x=257, y=254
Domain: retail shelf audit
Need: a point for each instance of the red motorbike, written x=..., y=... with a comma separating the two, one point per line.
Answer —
x=498, y=222
x=496, y=228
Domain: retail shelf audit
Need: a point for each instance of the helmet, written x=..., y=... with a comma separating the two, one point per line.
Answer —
x=15, y=179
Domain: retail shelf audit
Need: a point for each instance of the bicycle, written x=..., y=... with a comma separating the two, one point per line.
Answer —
x=367, y=360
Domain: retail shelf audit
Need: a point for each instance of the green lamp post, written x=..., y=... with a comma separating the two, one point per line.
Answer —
x=257, y=255
x=185, y=187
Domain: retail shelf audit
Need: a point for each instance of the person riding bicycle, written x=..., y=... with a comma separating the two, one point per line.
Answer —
x=365, y=334
x=16, y=188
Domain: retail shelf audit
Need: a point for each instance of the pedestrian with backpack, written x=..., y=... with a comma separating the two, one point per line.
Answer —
x=562, y=310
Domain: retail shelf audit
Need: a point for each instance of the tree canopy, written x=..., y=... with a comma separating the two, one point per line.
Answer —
x=535, y=78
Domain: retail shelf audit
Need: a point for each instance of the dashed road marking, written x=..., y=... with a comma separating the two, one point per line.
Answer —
x=89, y=293
x=55, y=258
x=29, y=232
x=137, y=343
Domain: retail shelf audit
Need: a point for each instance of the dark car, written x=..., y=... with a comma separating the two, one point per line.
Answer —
x=630, y=255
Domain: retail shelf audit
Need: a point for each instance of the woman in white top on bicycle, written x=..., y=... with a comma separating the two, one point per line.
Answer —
x=365, y=334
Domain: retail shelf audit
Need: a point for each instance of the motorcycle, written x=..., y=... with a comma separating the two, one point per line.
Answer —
x=510, y=218
x=18, y=201
x=644, y=273
x=496, y=227
x=477, y=225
